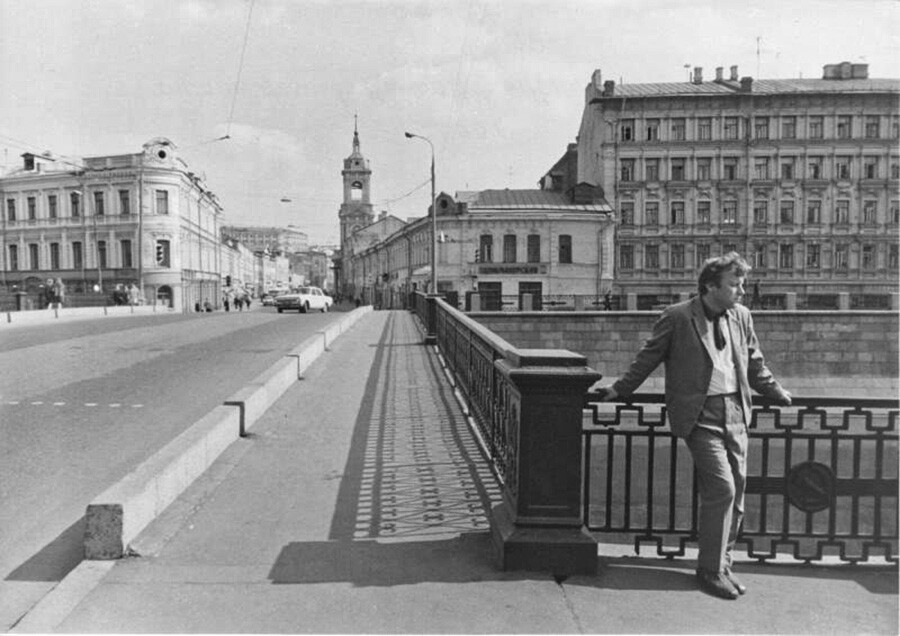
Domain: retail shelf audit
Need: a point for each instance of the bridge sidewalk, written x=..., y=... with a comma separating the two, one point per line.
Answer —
x=359, y=505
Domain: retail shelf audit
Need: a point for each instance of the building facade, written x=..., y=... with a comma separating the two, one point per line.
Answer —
x=801, y=176
x=505, y=245
x=274, y=240
x=102, y=222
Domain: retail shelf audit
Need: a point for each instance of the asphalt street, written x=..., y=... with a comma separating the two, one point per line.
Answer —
x=81, y=404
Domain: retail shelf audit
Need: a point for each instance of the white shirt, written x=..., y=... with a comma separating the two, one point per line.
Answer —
x=724, y=375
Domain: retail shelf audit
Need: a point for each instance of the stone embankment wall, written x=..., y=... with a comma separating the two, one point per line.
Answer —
x=825, y=345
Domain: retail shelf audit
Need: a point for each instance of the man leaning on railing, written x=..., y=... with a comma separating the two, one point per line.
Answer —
x=712, y=359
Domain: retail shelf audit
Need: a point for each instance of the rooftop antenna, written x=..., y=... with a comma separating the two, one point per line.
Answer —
x=687, y=69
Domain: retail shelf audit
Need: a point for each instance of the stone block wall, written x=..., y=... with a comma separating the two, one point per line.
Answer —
x=825, y=345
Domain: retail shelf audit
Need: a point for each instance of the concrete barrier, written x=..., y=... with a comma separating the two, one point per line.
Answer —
x=117, y=516
x=25, y=318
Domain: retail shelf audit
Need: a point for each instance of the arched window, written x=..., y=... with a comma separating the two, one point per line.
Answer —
x=356, y=189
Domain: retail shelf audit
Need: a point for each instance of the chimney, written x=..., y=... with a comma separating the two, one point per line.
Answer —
x=734, y=74
x=596, y=80
x=746, y=84
x=719, y=72
x=859, y=71
x=609, y=88
x=698, y=75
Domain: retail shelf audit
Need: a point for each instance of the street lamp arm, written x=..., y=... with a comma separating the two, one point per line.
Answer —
x=410, y=135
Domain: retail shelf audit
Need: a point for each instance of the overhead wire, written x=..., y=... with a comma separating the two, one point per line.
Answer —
x=237, y=82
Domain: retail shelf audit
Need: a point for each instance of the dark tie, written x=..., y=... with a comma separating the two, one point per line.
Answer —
x=718, y=336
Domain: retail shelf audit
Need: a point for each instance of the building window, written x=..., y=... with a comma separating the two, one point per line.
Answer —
x=651, y=257
x=870, y=212
x=816, y=127
x=626, y=210
x=842, y=167
x=703, y=252
x=704, y=212
x=101, y=254
x=786, y=256
x=704, y=128
x=356, y=190
x=843, y=126
x=677, y=165
x=54, y=255
x=895, y=212
x=534, y=248
x=760, y=260
x=509, y=248
x=34, y=260
x=124, y=202
x=626, y=257
x=10, y=209
x=760, y=212
x=565, y=248
x=872, y=127
x=678, y=127
x=788, y=127
x=77, y=255
x=704, y=169
x=813, y=256
x=52, y=210
x=13, y=258
x=75, y=204
x=652, y=168
x=626, y=172
x=651, y=213
x=731, y=128
x=162, y=202
x=868, y=257
x=127, y=258
x=99, y=203
x=870, y=168
x=761, y=127
x=677, y=256
x=787, y=168
x=163, y=255
x=652, y=130
x=842, y=212
x=814, y=212
x=627, y=130
x=729, y=212
x=892, y=256
x=787, y=213
x=815, y=168
x=730, y=168
x=486, y=248
x=31, y=204
x=895, y=170
x=761, y=168
x=677, y=212
x=841, y=257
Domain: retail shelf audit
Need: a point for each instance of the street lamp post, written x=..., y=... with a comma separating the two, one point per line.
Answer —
x=434, y=289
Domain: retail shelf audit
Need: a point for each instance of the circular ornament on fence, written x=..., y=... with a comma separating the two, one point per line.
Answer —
x=810, y=486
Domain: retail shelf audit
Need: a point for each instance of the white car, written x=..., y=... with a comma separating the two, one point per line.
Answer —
x=304, y=299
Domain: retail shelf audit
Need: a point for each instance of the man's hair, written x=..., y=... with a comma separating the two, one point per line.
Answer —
x=713, y=268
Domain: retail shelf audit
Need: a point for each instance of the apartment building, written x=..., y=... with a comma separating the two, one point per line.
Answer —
x=799, y=175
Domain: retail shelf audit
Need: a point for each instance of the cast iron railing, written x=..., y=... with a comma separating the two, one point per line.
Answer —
x=821, y=478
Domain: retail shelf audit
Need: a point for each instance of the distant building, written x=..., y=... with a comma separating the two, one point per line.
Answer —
x=101, y=222
x=799, y=175
x=285, y=240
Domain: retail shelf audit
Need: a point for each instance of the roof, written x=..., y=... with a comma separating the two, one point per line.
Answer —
x=760, y=87
x=527, y=199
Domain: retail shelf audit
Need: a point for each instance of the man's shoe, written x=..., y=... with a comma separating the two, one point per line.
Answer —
x=735, y=583
x=716, y=584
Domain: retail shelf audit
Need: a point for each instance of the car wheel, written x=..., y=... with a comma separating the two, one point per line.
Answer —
x=280, y=310
x=325, y=308
x=304, y=308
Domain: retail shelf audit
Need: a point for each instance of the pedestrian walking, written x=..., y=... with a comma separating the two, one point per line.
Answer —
x=239, y=303
x=225, y=302
x=206, y=305
x=247, y=301
x=712, y=359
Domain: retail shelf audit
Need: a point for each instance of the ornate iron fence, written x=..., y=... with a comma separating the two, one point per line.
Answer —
x=822, y=478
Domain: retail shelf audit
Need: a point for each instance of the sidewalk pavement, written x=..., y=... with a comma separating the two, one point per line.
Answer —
x=359, y=505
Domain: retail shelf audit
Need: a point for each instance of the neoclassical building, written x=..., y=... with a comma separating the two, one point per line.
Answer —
x=800, y=175
x=142, y=218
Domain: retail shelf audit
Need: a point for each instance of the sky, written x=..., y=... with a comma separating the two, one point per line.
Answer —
x=496, y=86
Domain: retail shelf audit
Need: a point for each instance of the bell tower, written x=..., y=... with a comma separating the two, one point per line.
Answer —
x=356, y=210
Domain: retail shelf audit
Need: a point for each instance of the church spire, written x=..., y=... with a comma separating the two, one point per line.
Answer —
x=355, y=134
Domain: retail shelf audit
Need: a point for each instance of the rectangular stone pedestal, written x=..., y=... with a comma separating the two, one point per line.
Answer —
x=561, y=551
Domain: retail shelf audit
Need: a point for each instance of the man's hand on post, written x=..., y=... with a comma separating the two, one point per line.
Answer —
x=606, y=393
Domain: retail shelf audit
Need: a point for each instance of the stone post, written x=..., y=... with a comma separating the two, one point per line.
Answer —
x=527, y=302
x=631, y=302
x=844, y=301
x=540, y=526
x=475, y=300
x=895, y=301
x=790, y=301
x=580, y=303
x=431, y=325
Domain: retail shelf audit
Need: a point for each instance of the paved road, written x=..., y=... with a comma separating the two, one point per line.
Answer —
x=82, y=404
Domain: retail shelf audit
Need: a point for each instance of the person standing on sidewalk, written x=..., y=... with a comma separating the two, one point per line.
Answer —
x=712, y=359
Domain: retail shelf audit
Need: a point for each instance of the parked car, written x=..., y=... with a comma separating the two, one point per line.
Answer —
x=267, y=299
x=304, y=299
